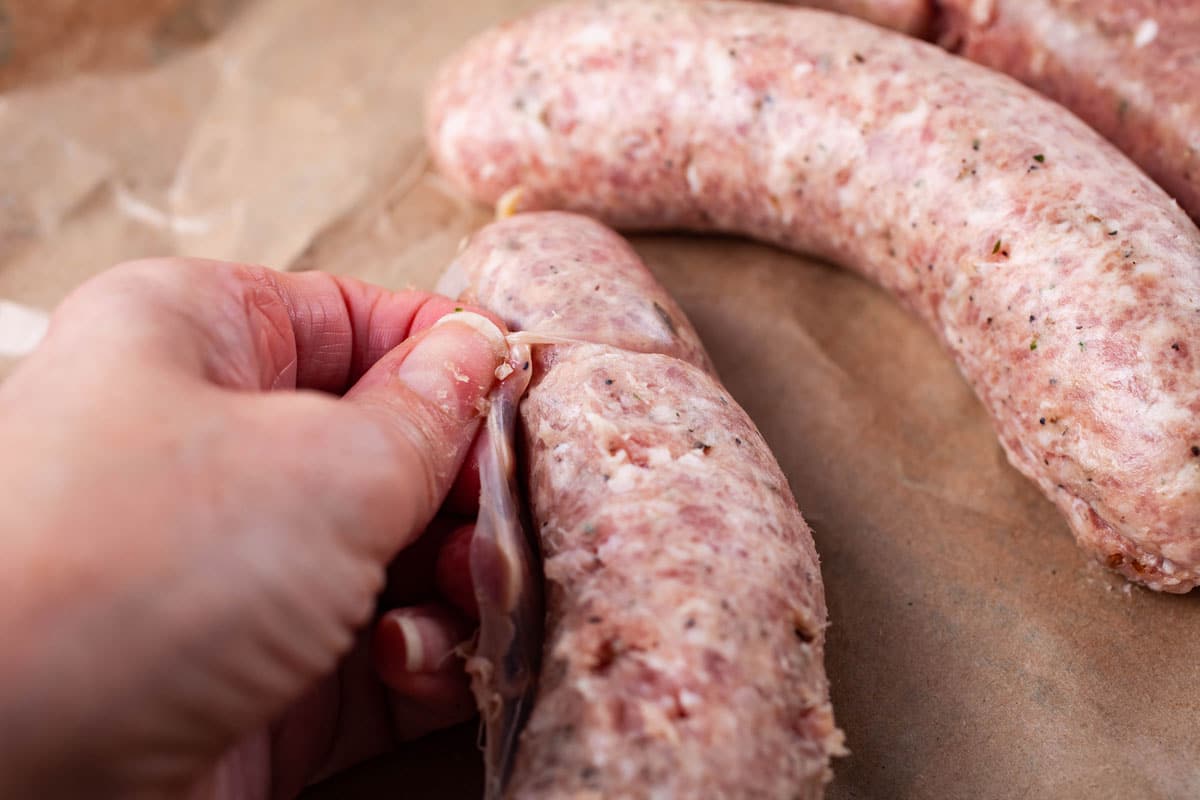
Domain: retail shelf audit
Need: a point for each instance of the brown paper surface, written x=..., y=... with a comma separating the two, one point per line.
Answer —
x=973, y=651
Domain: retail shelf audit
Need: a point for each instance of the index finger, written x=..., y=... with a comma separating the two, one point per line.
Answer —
x=250, y=327
x=343, y=325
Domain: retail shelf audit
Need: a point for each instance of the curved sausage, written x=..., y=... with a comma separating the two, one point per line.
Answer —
x=1064, y=282
x=913, y=17
x=685, y=612
x=1129, y=68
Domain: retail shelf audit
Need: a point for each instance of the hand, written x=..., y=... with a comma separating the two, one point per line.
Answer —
x=197, y=529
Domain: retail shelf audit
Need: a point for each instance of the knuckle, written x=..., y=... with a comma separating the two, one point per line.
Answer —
x=132, y=291
x=135, y=287
x=262, y=309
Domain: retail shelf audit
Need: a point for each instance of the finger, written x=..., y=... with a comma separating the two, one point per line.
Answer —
x=426, y=397
x=345, y=720
x=418, y=640
x=410, y=576
x=327, y=310
x=355, y=715
x=244, y=326
x=453, y=571
x=464, y=494
x=305, y=737
x=415, y=655
x=449, y=701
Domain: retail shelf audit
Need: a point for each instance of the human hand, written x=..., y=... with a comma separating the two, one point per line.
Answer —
x=197, y=528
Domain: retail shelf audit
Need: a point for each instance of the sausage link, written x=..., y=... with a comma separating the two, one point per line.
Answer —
x=685, y=612
x=1065, y=283
x=1128, y=68
x=913, y=17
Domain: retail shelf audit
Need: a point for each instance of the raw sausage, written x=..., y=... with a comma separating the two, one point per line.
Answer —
x=1063, y=280
x=1065, y=283
x=684, y=600
x=1129, y=68
x=913, y=17
x=685, y=610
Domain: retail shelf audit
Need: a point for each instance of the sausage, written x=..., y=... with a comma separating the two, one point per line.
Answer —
x=1064, y=282
x=685, y=612
x=913, y=17
x=1129, y=68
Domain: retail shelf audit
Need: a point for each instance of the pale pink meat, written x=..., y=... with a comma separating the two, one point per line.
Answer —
x=1128, y=68
x=913, y=17
x=1065, y=283
x=685, y=609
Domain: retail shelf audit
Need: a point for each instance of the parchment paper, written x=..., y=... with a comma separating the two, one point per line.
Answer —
x=973, y=651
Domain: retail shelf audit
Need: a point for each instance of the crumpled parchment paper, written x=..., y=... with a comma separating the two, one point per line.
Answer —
x=973, y=651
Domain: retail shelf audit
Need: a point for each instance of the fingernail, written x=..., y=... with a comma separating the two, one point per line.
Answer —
x=454, y=363
x=428, y=639
x=484, y=326
x=414, y=648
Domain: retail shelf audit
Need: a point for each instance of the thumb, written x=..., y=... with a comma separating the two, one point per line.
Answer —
x=429, y=394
